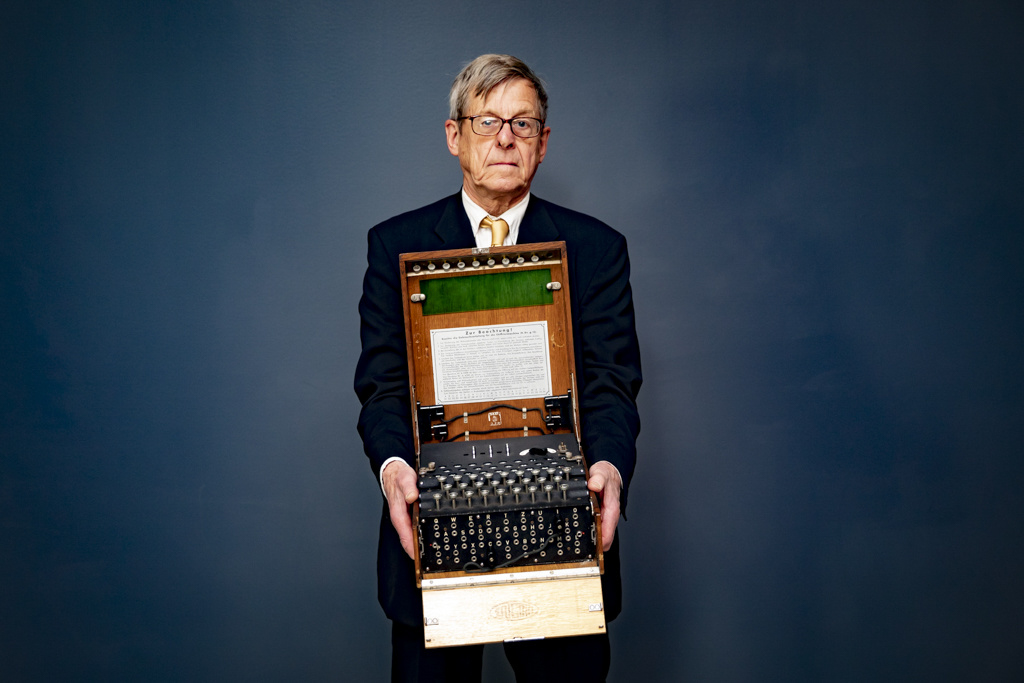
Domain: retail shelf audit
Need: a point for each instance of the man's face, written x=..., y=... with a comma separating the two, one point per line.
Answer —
x=497, y=170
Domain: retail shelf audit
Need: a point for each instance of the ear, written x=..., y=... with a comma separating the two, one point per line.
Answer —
x=543, y=144
x=451, y=135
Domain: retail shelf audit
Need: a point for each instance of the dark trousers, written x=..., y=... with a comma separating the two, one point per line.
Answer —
x=580, y=659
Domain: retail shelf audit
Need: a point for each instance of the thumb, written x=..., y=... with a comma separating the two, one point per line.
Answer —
x=411, y=494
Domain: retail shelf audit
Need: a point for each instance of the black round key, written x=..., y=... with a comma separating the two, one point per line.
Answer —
x=578, y=489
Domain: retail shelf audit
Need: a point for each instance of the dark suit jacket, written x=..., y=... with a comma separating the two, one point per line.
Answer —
x=606, y=350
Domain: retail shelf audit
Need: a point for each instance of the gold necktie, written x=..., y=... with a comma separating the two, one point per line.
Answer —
x=498, y=228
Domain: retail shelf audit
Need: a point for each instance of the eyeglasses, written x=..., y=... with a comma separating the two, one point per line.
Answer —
x=521, y=126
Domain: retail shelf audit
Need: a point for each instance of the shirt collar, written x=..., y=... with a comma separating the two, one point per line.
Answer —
x=514, y=217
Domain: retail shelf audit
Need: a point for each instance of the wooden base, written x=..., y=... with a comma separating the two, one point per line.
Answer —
x=512, y=606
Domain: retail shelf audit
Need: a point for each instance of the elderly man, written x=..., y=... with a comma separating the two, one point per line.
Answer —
x=496, y=128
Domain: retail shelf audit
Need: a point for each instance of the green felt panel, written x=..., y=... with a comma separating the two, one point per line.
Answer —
x=507, y=289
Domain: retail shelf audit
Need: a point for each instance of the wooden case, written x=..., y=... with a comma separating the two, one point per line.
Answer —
x=492, y=380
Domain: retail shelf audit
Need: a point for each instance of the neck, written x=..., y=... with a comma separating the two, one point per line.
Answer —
x=495, y=206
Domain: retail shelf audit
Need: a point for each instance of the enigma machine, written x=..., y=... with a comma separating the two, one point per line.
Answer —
x=508, y=533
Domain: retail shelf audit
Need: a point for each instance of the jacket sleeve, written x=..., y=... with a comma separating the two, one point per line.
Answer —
x=610, y=364
x=382, y=378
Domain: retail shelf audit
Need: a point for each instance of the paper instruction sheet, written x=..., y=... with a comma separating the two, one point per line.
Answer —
x=491, y=362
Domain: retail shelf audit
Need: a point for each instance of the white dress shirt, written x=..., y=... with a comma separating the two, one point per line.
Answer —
x=514, y=216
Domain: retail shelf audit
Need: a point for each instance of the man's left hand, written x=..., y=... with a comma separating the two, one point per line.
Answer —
x=607, y=484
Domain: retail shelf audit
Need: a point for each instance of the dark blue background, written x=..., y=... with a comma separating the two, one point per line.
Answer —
x=824, y=205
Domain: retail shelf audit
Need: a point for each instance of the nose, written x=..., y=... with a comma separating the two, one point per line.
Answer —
x=506, y=138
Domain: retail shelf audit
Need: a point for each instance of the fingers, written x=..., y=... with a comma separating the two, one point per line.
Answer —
x=403, y=525
x=399, y=480
x=609, y=522
x=604, y=479
x=400, y=489
x=605, y=482
x=407, y=483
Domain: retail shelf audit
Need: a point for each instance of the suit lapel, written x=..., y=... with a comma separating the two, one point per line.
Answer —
x=453, y=228
x=454, y=232
x=537, y=225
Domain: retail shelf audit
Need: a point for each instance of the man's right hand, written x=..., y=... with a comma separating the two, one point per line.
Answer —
x=400, y=489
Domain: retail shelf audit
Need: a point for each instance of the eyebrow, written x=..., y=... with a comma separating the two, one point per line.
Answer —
x=528, y=114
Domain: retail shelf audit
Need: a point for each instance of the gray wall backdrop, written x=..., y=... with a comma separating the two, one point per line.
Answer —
x=824, y=208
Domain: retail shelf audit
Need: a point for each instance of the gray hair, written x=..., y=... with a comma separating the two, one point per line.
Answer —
x=486, y=72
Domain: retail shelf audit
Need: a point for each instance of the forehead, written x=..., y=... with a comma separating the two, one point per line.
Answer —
x=513, y=97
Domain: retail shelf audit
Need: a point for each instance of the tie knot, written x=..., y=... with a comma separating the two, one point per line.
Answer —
x=498, y=228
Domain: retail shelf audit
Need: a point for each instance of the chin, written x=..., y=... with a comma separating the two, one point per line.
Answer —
x=505, y=185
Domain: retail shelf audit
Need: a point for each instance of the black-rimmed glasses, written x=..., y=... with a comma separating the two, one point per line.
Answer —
x=521, y=126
